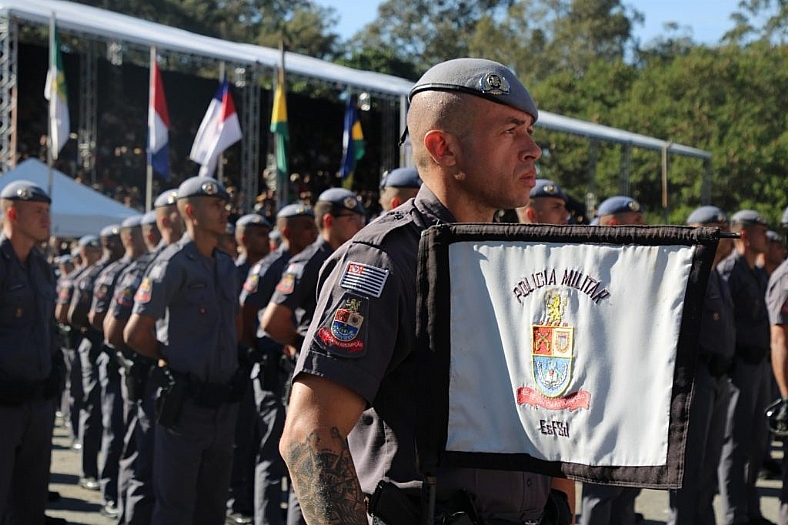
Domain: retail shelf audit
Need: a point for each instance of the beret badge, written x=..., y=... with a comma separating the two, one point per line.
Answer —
x=494, y=84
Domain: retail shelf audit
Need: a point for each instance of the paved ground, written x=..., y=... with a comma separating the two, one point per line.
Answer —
x=80, y=506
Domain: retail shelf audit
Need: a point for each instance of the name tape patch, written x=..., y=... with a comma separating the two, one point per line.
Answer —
x=364, y=278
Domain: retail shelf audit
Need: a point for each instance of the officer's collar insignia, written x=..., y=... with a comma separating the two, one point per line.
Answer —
x=24, y=193
x=344, y=333
x=633, y=206
x=209, y=188
x=350, y=203
x=493, y=84
x=553, y=359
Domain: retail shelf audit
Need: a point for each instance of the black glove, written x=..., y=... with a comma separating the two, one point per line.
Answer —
x=777, y=417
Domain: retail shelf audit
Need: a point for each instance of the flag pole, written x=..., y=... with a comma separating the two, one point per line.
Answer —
x=284, y=181
x=50, y=157
x=149, y=170
x=220, y=161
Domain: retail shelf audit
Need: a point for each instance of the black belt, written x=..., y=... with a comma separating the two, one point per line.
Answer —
x=18, y=394
x=213, y=395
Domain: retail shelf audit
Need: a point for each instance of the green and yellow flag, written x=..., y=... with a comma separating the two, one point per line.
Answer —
x=56, y=93
x=279, y=123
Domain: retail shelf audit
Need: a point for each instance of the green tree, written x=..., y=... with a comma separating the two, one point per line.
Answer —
x=423, y=32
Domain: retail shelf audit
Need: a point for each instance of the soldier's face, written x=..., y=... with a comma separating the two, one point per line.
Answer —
x=497, y=159
x=302, y=231
x=550, y=210
x=210, y=214
x=346, y=224
x=32, y=220
x=255, y=239
x=757, y=239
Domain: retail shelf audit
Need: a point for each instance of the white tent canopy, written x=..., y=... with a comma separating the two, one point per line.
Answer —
x=115, y=26
x=76, y=209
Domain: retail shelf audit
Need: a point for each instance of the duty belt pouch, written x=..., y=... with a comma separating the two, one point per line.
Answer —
x=393, y=506
x=169, y=401
x=457, y=510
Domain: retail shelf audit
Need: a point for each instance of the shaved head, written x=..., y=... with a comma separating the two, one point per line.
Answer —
x=444, y=110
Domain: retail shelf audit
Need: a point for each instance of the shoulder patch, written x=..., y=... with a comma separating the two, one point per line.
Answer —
x=286, y=284
x=296, y=269
x=250, y=284
x=364, y=278
x=155, y=272
x=344, y=332
x=143, y=292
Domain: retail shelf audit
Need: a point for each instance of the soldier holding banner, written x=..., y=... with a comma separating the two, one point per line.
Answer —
x=352, y=414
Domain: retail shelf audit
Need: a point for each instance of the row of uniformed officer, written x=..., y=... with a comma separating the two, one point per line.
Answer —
x=31, y=366
x=186, y=315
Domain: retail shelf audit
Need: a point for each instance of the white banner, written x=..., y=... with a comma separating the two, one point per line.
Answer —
x=573, y=347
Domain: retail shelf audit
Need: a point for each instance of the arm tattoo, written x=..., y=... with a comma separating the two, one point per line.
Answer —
x=325, y=480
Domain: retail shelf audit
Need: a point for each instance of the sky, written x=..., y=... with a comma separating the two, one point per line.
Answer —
x=708, y=19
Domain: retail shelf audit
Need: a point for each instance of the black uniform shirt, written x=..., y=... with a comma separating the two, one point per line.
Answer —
x=128, y=282
x=717, y=328
x=362, y=337
x=65, y=286
x=748, y=289
x=263, y=277
x=104, y=288
x=27, y=317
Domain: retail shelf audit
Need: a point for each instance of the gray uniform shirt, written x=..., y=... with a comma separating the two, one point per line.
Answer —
x=777, y=295
x=27, y=317
x=297, y=289
x=748, y=288
x=194, y=300
x=362, y=336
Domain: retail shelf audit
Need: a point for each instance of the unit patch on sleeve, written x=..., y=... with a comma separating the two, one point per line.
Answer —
x=363, y=278
x=287, y=283
x=143, y=292
x=344, y=332
x=250, y=284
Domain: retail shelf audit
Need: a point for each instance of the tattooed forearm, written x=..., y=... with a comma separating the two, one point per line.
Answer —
x=325, y=480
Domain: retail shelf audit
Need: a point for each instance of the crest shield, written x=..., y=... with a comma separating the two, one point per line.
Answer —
x=552, y=354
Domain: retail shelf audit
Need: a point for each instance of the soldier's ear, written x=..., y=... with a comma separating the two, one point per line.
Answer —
x=327, y=220
x=440, y=146
x=189, y=209
x=531, y=214
x=395, y=201
x=11, y=213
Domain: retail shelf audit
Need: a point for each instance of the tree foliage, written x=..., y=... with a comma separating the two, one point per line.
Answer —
x=580, y=58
